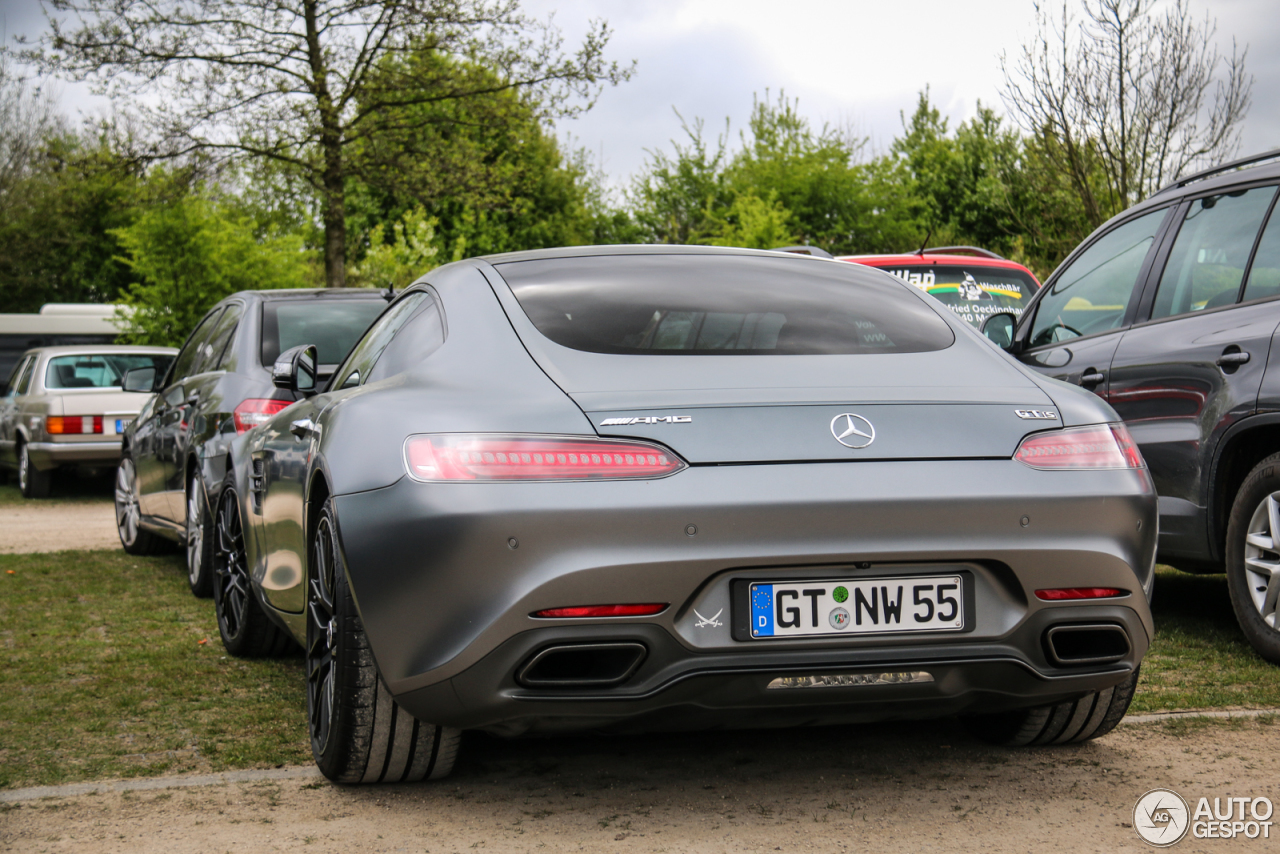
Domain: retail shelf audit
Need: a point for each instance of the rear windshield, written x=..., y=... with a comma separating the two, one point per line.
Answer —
x=99, y=371
x=721, y=305
x=972, y=292
x=333, y=325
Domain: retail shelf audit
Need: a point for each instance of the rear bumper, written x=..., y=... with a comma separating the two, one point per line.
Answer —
x=446, y=600
x=673, y=690
x=47, y=455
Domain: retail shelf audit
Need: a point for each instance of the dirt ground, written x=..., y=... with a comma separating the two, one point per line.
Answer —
x=36, y=526
x=901, y=787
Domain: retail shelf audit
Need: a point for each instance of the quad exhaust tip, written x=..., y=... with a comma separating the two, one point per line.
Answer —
x=1076, y=645
x=582, y=665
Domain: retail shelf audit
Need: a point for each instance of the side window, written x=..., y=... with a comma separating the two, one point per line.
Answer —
x=1092, y=293
x=417, y=339
x=215, y=350
x=21, y=377
x=1264, y=274
x=194, y=349
x=355, y=370
x=1209, y=256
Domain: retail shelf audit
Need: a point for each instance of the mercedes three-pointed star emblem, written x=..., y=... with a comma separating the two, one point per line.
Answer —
x=852, y=431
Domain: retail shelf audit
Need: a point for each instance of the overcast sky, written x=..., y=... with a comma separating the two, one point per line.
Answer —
x=857, y=62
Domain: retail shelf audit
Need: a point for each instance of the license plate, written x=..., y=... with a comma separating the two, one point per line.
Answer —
x=857, y=606
x=122, y=423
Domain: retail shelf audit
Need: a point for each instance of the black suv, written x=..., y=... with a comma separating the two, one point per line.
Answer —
x=1169, y=312
x=174, y=457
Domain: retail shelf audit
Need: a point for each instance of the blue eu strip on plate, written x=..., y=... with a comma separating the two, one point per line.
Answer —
x=762, y=610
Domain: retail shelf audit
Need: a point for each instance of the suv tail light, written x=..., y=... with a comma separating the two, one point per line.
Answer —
x=1101, y=446
x=461, y=456
x=65, y=425
x=254, y=411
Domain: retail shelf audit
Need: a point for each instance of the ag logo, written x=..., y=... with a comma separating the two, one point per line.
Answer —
x=1161, y=817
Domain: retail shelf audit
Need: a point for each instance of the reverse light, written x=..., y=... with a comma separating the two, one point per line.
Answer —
x=1101, y=446
x=254, y=411
x=603, y=611
x=66, y=425
x=1061, y=594
x=461, y=456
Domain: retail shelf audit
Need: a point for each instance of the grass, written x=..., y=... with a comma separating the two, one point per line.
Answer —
x=1200, y=658
x=105, y=676
x=68, y=486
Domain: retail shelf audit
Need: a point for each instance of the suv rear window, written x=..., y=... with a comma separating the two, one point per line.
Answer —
x=723, y=305
x=972, y=292
x=334, y=325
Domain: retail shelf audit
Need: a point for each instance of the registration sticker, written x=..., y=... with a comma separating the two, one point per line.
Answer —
x=857, y=606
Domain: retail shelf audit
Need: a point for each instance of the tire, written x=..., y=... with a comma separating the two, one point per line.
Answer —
x=1071, y=722
x=32, y=482
x=199, y=543
x=246, y=630
x=1253, y=558
x=358, y=732
x=135, y=540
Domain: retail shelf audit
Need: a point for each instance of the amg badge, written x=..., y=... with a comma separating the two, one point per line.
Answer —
x=647, y=419
x=1036, y=414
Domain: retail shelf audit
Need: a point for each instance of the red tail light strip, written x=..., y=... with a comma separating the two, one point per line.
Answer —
x=1065, y=593
x=68, y=425
x=254, y=411
x=603, y=611
x=458, y=456
x=1102, y=446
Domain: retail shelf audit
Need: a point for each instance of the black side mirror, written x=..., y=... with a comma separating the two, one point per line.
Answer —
x=295, y=370
x=139, y=379
x=999, y=328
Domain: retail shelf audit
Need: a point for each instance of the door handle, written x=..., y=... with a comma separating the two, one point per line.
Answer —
x=1232, y=359
x=1092, y=376
x=302, y=427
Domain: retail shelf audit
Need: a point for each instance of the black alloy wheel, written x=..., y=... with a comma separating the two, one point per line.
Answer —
x=246, y=630
x=359, y=734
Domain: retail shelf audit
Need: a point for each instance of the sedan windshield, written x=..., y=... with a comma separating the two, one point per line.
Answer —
x=725, y=305
x=93, y=370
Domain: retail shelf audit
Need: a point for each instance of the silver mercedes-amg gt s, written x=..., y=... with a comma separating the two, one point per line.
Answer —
x=651, y=488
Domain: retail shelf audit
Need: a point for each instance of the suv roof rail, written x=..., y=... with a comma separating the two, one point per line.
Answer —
x=803, y=250
x=961, y=250
x=1216, y=170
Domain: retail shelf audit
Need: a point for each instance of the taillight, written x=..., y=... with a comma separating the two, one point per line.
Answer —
x=66, y=425
x=459, y=456
x=254, y=411
x=1101, y=446
x=1062, y=594
x=647, y=610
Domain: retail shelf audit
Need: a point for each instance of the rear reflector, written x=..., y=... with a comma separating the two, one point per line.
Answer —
x=603, y=611
x=254, y=411
x=66, y=425
x=1103, y=446
x=846, y=680
x=1062, y=593
x=460, y=456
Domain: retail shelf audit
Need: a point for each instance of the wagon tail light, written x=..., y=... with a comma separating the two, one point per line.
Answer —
x=1102, y=446
x=67, y=425
x=489, y=457
x=254, y=411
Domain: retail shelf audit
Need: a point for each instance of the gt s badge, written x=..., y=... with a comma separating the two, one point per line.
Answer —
x=1036, y=414
x=647, y=419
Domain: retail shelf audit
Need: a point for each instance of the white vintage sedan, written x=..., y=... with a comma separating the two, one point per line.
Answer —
x=64, y=406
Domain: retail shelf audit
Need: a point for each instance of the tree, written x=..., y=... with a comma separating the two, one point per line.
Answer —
x=190, y=252
x=1133, y=92
x=28, y=118
x=302, y=83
